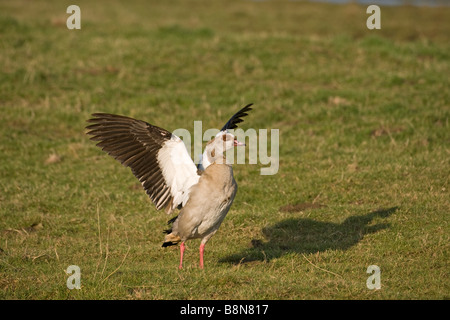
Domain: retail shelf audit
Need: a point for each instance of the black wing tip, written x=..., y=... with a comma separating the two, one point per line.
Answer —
x=236, y=118
x=245, y=109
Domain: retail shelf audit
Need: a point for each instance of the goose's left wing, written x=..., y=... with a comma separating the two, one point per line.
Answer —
x=236, y=118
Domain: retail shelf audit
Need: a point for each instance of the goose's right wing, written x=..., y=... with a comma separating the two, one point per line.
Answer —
x=156, y=157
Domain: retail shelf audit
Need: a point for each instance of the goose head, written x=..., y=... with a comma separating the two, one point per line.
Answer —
x=223, y=141
x=216, y=148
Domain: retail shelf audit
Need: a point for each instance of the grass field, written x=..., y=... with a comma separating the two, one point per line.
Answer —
x=364, y=148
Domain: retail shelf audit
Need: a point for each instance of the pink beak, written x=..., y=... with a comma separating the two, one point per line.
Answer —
x=237, y=143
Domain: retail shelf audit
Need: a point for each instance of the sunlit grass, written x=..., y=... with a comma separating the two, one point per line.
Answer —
x=364, y=148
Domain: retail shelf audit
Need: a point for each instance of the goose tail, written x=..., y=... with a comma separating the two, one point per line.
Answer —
x=171, y=240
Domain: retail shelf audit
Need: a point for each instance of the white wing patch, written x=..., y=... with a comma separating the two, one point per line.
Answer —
x=178, y=169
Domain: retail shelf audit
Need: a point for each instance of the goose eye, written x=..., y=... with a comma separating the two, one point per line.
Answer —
x=226, y=137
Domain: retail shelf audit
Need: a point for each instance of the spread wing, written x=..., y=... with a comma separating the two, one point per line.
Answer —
x=156, y=157
x=236, y=118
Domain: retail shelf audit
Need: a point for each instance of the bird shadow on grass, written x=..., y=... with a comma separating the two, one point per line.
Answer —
x=304, y=236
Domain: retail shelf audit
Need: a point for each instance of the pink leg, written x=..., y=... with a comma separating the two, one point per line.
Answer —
x=202, y=249
x=181, y=255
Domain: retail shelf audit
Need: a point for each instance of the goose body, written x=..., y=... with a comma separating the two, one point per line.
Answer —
x=202, y=216
x=162, y=164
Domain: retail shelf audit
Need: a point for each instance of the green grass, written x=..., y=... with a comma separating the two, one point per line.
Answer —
x=364, y=148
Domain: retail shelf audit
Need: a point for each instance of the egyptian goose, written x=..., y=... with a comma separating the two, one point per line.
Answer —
x=160, y=161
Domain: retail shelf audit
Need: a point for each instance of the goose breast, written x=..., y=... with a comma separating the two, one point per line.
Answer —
x=210, y=200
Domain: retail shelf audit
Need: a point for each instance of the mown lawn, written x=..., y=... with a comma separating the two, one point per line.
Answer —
x=364, y=154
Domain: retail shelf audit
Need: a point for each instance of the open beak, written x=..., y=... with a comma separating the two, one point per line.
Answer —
x=237, y=143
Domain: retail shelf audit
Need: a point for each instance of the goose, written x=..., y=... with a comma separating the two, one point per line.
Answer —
x=203, y=194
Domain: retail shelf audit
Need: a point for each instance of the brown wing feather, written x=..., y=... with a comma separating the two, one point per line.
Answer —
x=135, y=144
